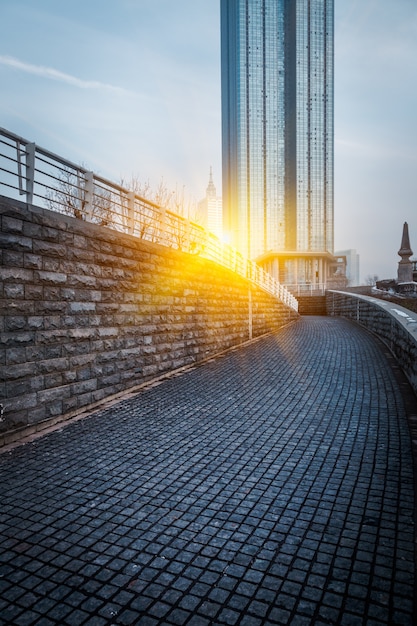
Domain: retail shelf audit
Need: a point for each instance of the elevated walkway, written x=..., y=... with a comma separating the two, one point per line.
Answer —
x=272, y=485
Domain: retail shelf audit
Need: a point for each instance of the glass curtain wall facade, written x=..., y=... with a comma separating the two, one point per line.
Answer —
x=277, y=131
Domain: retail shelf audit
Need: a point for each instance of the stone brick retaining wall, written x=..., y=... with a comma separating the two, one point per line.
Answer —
x=87, y=312
x=311, y=305
x=395, y=325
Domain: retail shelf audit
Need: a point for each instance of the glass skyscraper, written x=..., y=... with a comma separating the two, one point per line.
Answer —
x=277, y=134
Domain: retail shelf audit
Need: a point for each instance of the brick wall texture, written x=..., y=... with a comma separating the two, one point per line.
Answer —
x=87, y=312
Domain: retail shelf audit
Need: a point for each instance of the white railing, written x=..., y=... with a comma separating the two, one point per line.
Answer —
x=307, y=289
x=49, y=181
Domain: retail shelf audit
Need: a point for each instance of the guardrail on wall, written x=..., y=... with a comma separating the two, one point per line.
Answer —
x=49, y=181
x=304, y=289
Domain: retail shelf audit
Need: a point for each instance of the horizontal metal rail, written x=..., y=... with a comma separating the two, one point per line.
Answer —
x=308, y=289
x=52, y=182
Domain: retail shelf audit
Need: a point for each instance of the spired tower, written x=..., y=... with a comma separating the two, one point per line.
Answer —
x=209, y=210
x=405, y=266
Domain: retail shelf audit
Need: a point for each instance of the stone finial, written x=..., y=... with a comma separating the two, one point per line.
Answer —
x=405, y=249
x=405, y=267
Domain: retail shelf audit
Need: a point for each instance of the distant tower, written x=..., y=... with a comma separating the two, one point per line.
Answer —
x=405, y=266
x=211, y=189
x=209, y=212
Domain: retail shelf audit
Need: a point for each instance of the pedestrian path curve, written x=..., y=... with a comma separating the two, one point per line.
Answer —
x=271, y=485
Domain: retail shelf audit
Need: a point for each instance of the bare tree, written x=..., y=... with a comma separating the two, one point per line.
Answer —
x=146, y=215
x=157, y=212
x=103, y=211
x=149, y=219
x=174, y=200
x=370, y=280
x=68, y=196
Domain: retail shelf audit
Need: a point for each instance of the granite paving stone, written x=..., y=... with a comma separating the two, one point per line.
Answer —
x=271, y=485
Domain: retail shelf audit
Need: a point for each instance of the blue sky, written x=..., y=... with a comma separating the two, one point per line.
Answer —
x=132, y=88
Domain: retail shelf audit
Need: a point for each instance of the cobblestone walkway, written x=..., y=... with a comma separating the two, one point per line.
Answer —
x=273, y=485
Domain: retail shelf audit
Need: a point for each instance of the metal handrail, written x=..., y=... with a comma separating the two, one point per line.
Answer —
x=307, y=289
x=52, y=182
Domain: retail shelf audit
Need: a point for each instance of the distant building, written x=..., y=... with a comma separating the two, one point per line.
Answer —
x=277, y=135
x=352, y=266
x=209, y=210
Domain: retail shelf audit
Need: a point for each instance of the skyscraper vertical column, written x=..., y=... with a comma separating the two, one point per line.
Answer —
x=277, y=129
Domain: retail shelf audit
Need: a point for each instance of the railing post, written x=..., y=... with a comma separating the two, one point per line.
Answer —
x=89, y=195
x=30, y=172
x=250, y=314
x=131, y=212
x=187, y=242
x=162, y=226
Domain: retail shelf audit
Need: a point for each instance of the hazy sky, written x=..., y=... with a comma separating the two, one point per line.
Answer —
x=132, y=87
